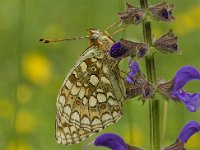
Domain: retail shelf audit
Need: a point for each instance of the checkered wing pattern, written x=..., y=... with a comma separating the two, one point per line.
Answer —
x=90, y=98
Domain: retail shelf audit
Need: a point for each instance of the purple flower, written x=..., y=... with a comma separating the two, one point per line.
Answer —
x=134, y=68
x=173, y=89
x=187, y=131
x=117, y=50
x=110, y=140
x=183, y=76
x=113, y=141
x=135, y=83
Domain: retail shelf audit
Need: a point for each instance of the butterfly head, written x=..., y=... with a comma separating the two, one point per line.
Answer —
x=100, y=39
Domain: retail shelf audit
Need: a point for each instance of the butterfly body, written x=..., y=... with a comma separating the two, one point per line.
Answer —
x=92, y=94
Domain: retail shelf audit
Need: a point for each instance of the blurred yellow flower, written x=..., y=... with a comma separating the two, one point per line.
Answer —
x=193, y=142
x=37, y=68
x=25, y=122
x=137, y=137
x=188, y=21
x=19, y=145
x=6, y=108
x=24, y=93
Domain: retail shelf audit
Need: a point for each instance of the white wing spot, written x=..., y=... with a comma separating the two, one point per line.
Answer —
x=75, y=135
x=109, y=94
x=75, y=74
x=105, y=69
x=101, y=97
x=93, y=59
x=78, y=84
x=106, y=117
x=67, y=110
x=63, y=120
x=85, y=100
x=112, y=102
x=85, y=120
x=105, y=80
x=62, y=100
x=92, y=101
x=83, y=67
x=73, y=129
x=69, y=84
x=81, y=92
x=58, y=135
x=99, y=90
x=115, y=114
x=98, y=64
x=85, y=85
x=68, y=136
x=66, y=130
x=94, y=80
x=75, y=116
x=96, y=121
x=75, y=90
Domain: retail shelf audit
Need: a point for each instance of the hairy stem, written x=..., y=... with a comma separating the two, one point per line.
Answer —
x=151, y=75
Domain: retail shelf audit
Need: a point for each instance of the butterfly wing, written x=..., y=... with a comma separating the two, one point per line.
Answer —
x=90, y=98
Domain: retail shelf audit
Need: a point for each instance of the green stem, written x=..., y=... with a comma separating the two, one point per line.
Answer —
x=151, y=75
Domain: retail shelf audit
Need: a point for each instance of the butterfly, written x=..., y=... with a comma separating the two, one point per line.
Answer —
x=92, y=95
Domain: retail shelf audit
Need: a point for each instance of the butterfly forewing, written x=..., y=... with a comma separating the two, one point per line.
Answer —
x=90, y=98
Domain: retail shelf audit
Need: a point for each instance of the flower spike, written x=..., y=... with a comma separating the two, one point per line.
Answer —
x=162, y=11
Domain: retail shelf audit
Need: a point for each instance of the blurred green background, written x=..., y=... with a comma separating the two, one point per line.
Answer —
x=32, y=73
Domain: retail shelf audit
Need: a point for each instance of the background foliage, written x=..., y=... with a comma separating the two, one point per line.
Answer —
x=32, y=73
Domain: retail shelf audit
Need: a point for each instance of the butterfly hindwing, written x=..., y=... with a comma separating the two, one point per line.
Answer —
x=90, y=98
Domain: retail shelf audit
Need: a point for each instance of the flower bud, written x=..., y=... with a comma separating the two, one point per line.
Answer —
x=132, y=15
x=162, y=11
x=167, y=43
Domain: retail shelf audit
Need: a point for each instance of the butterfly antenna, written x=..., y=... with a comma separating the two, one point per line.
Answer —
x=122, y=29
x=112, y=25
x=61, y=40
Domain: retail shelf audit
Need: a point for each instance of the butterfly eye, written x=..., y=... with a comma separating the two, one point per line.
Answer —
x=95, y=36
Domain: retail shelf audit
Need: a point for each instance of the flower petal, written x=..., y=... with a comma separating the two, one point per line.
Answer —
x=110, y=140
x=192, y=101
x=134, y=68
x=184, y=75
x=188, y=130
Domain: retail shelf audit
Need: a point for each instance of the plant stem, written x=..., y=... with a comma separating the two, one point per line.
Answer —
x=151, y=75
